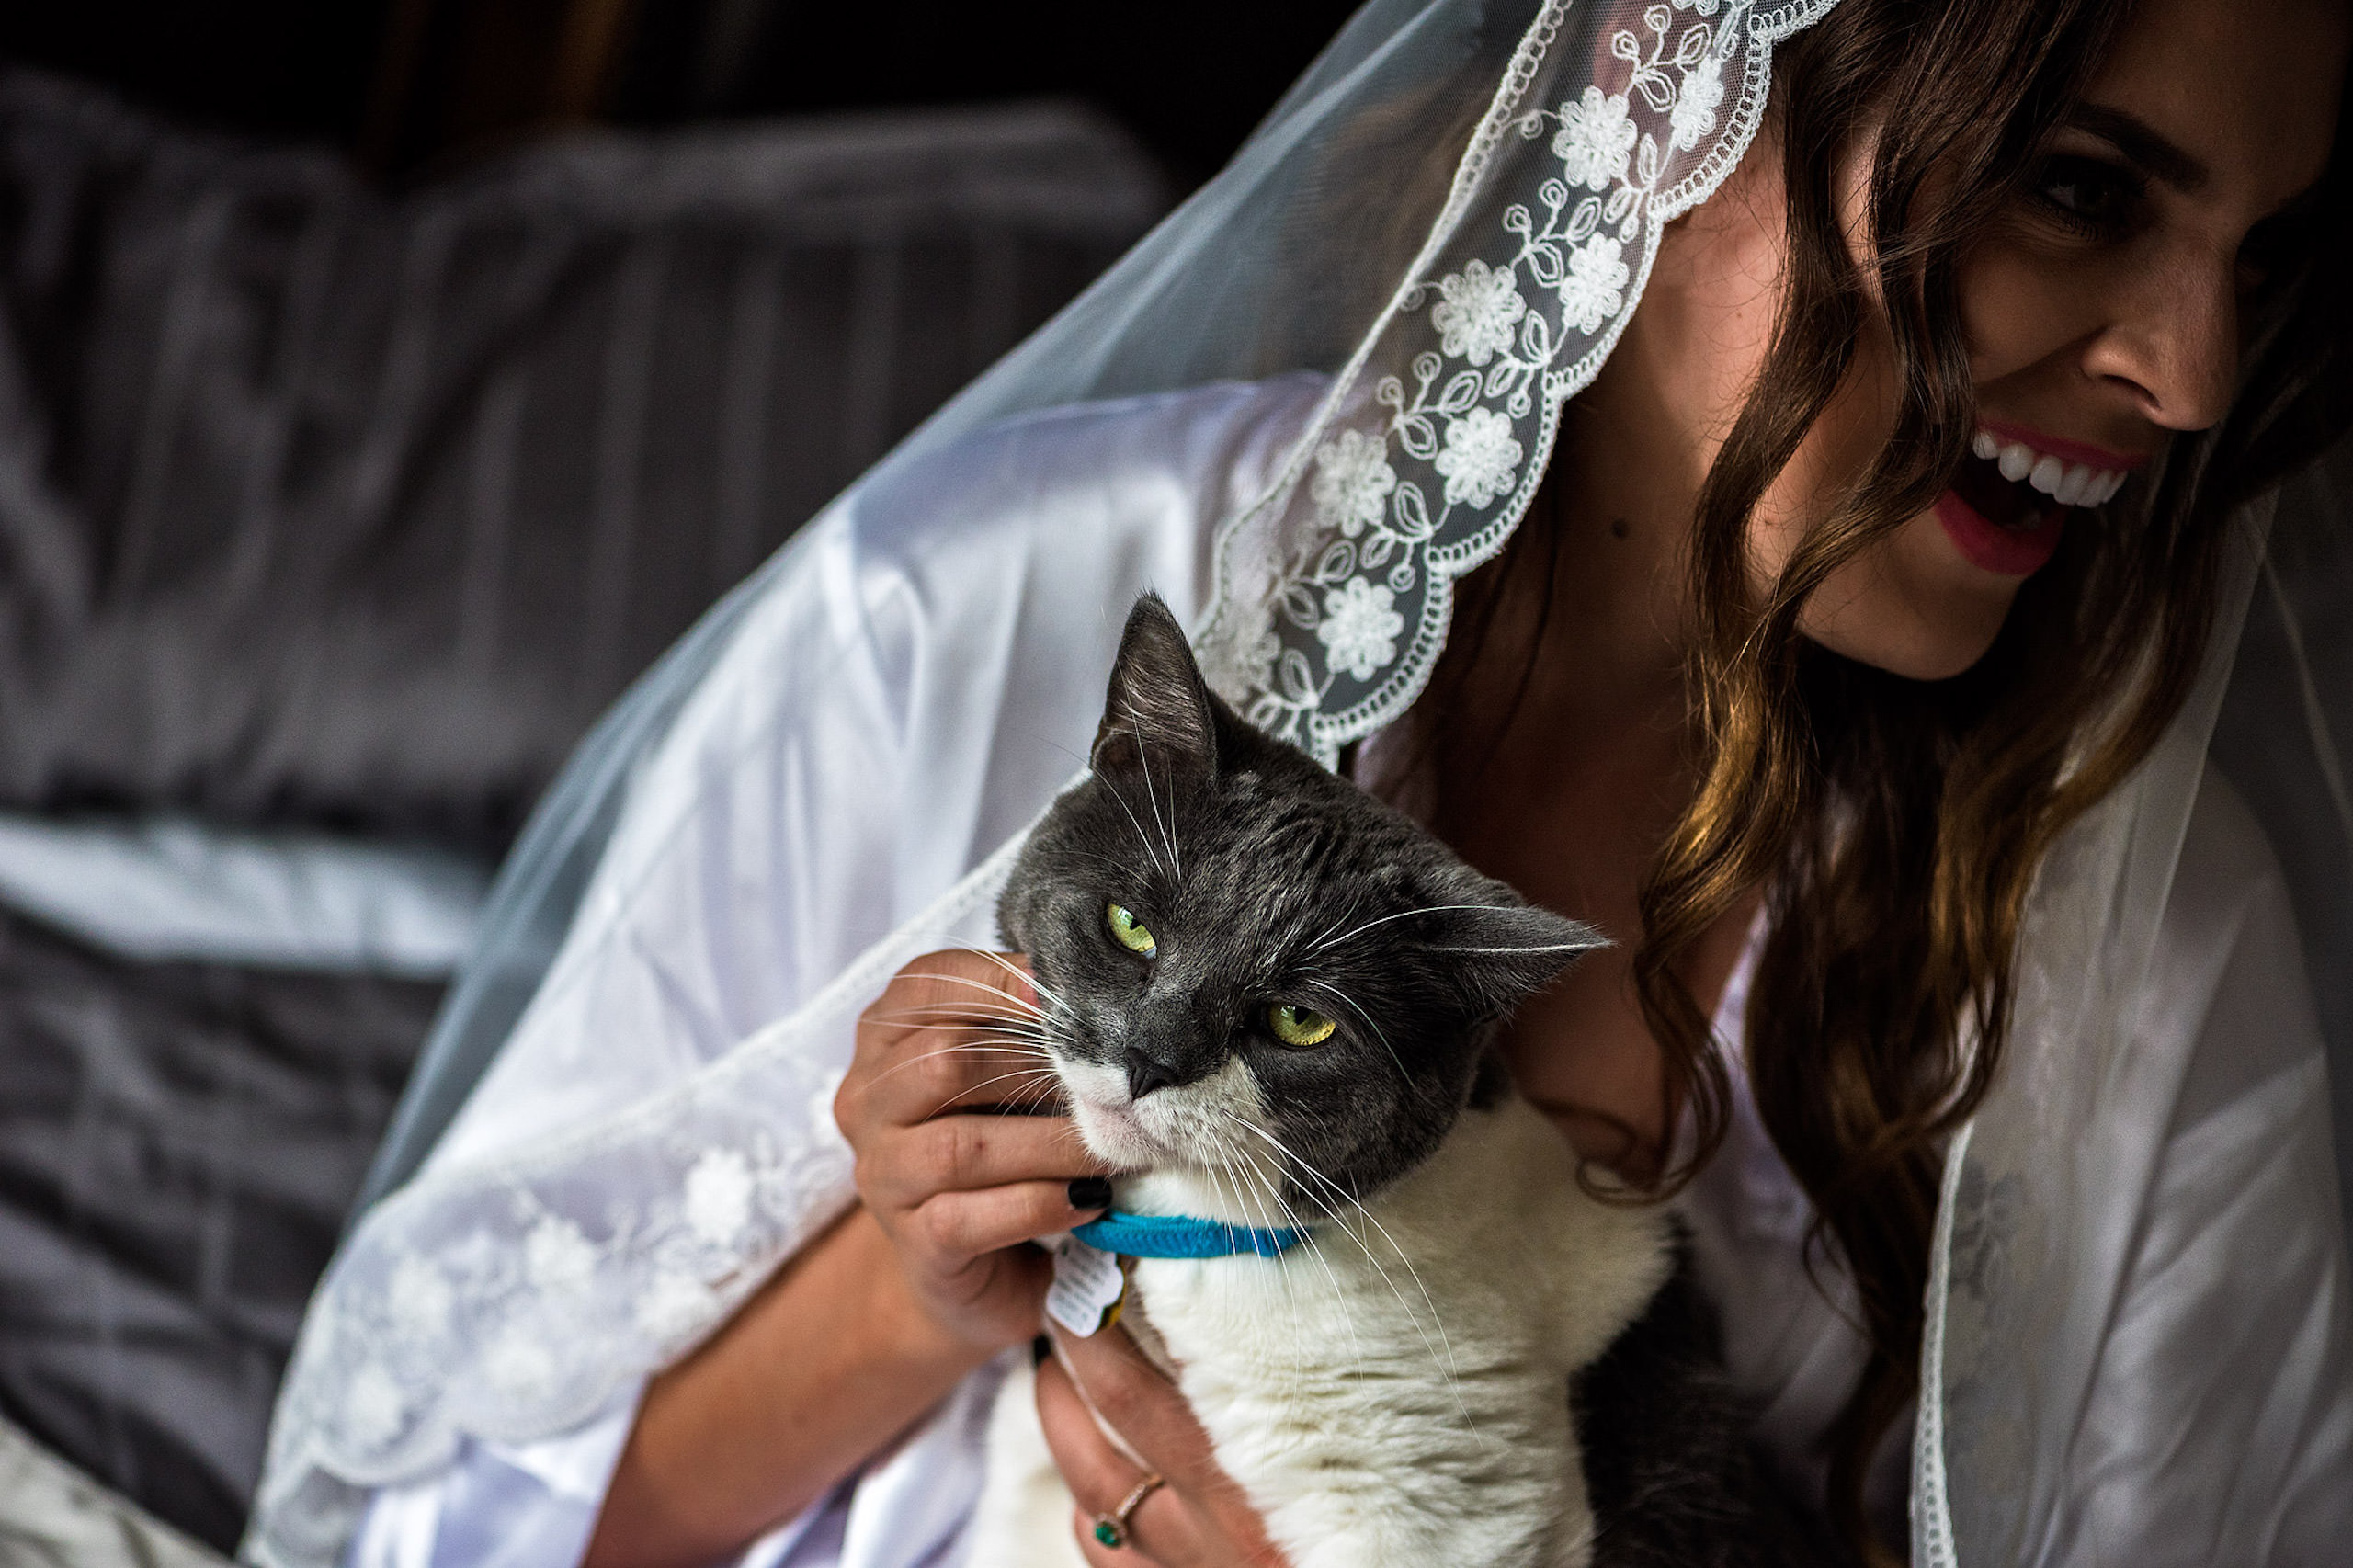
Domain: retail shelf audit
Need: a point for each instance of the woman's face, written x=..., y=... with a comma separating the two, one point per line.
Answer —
x=2102, y=318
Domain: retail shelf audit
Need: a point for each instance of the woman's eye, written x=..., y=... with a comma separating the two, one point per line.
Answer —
x=2089, y=196
x=1299, y=1026
x=1129, y=932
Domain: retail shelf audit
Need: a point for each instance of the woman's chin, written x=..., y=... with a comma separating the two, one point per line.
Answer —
x=1913, y=607
x=1930, y=658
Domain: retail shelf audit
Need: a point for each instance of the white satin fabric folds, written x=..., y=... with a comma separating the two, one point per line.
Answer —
x=914, y=688
x=908, y=696
x=2215, y=1424
x=837, y=796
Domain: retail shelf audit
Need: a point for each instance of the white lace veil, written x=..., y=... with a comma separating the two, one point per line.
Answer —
x=1450, y=218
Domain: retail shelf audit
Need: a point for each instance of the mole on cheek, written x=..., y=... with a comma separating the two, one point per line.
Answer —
x=1619, y=528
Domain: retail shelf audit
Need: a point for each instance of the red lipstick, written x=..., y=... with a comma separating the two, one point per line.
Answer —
x=2010, y=553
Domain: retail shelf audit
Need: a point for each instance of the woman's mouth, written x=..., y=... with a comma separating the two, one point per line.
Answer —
x=2009, y=501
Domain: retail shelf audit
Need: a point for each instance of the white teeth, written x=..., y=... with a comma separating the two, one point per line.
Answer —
x=2070, y=484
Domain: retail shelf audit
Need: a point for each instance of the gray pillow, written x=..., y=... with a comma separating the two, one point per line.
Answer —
x=320, y=506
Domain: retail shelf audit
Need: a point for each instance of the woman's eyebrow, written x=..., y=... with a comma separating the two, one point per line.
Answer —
x=2142, y=146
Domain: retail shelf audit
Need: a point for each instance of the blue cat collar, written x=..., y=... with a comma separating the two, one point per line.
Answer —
x=1176, y=1235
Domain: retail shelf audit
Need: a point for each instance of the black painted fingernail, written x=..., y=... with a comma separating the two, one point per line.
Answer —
x=1040, y=1348
x=1090, y=1192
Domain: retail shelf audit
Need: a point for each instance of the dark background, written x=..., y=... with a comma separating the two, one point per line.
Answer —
x=411, y=87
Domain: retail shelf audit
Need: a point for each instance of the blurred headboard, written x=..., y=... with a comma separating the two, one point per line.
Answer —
x=325, y=507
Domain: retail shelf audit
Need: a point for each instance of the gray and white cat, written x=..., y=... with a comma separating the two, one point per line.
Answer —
x=1272, y=1001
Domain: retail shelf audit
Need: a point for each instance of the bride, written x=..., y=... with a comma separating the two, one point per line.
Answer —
x=1841, y=631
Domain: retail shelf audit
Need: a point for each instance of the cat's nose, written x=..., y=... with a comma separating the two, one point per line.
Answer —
x=1147, y=1072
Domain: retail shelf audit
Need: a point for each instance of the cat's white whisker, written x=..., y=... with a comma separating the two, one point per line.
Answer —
x=1444, y=1364
x=1027, y=978
x=990, y=1000
x=1269, y=1190
x=1009, y=998
x=1401, y=914
x=1317, y=942
x=1342, y=1194
x=1169, y=830
x=1014, y=1025
x=1448, y=1365
x=1270, y=1196
x=1127, y=868
x=1034, y=1070
x=986, y=1045
x=1027, y=1083
x=987, y=1048
x=1151, y=797
x=1149, y=847
x=1010, y=1044
x=1013, y=1097
x=1377, y=1032
x=1271, y=1186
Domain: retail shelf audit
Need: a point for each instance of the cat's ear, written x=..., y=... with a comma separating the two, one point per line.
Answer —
x=1157, y=714
x=1500, y=955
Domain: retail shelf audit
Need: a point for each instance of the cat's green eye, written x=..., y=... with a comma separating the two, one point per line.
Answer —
x=1128, y=932
x=1299, y=1026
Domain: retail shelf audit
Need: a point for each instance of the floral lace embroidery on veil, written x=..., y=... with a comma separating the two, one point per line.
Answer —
x=1334, y=595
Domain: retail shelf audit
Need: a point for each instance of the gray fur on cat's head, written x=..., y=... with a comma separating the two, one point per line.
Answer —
x=1261, y=882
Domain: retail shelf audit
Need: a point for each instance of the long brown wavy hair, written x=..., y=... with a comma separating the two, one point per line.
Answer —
x=1897, y=825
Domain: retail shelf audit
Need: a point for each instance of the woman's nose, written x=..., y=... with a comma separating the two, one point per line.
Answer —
x=2173, y=344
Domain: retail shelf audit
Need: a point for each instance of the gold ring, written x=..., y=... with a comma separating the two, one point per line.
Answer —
x=1111, y=1528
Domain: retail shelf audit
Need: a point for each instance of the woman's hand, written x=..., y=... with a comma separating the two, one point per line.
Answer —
x=874, y=1322
x=1198, y=1517
x=959, y=1192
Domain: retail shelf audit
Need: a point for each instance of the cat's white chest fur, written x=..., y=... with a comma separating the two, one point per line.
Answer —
x=1397, y=1397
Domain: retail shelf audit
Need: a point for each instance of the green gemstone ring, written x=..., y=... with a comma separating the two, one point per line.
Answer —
x=1111, y=1528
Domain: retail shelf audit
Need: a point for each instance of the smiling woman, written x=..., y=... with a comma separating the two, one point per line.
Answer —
x=1946, y=374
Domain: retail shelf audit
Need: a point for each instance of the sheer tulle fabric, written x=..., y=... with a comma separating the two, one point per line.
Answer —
x=1321, y=393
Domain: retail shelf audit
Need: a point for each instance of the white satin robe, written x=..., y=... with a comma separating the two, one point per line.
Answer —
x=928, y=673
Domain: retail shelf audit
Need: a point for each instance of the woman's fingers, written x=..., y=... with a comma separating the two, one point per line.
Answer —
x=1198, y=1517
x=970, y=1224
x=1159, y=1532
x=1138, y=1401
x=958, y=1190
x=952, y=1031
x=1131, y=1554
x=960, y=984
x=957, y=1066
x=900, y=1167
